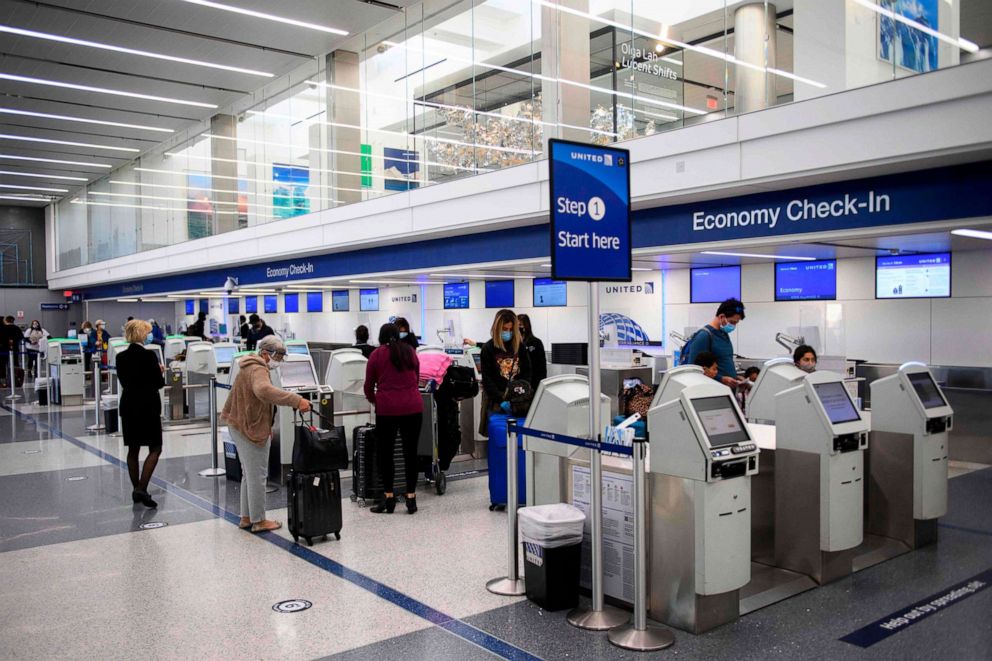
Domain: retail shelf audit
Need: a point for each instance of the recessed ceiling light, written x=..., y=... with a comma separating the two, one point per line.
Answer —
x=52, y=190
x=545, y=266
x=27, y=198
x=103, y=90
x=267, y=17
x=83, y=120
x=130, y=51
x=41, y=176
x=638, y=268
x=974, y=234
x=47, y=141
x=749, y=254
x=489, y=276
x=14, y=157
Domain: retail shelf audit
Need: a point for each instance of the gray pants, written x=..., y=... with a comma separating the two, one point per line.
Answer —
x=254, y=469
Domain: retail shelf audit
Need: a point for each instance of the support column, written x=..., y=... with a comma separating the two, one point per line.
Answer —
x=344, y=107
x=224, y=153
x=565, y=55
x=754, y=43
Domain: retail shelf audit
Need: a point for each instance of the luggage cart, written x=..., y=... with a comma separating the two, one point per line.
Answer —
x=428, y=435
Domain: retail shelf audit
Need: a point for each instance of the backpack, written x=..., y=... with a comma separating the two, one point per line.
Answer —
x=684, y=356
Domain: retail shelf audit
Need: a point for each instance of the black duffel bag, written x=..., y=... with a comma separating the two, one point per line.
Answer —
x=319, y=450
x=459, y=383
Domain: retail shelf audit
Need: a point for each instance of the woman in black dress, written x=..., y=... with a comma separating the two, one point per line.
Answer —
x=140, y=377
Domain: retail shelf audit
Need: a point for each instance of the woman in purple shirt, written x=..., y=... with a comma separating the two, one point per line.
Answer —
x=391, y=384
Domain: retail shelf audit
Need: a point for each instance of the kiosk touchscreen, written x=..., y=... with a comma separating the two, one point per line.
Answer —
x=702, y=457
x=819, y=477
x=224, y=354
x=296, y=374
x=775, y=376
x=561, y=406
x=908, y=459
x=298, y=347
x=66, y=370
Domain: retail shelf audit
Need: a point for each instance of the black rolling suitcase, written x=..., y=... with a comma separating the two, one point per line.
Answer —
x=365, y=480
x=314, y=505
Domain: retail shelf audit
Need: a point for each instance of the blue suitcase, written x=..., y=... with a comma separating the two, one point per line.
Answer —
x=497, y=465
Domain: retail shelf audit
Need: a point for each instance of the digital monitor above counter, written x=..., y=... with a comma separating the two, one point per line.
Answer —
x=456, y=296
x=340, y=300
x=714, y=285
x=806, y=281
x=550, y=293
x=913, y=276
x=499, y=294
x=368, y=300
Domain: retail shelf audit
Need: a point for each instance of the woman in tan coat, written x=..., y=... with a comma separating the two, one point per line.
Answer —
x=248, y=414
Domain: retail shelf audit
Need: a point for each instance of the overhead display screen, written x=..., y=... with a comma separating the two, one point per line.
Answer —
x=232, y=306
x=836, y=402
x=499, y=294
x=456, y=296
x=315, y=301
x=251, y=304
x=806, y=281
x=550, y=293
x=296, y=374
x=714, y=285
x=928, y=392
x=913, y=276
x=190, y=306
x=339, y=300
x=224, y=355
x=271, y=304
x=720, y=420
x=368, y=300
x=291, y=302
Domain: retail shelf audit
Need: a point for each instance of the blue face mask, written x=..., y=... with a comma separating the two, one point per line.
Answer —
x=403, y=335
x=506, y=336
x=728, y=328
x=148, y=338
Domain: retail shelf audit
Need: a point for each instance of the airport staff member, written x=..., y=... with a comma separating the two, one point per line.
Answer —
x=362, y=341
x=707, y=360
x=715, y=337
x=403, y=326
x=535, y=351
x=259, y=329
x=805, y=358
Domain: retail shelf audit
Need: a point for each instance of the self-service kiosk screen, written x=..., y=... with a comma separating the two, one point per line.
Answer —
x=296, y=374
x=70, y=349
x=298, y=349
x=720, y=420
x=836, y=402
x=224, y=355
x=927, y=390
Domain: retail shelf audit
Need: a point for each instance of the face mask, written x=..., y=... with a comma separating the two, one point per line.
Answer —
x=35, y=327
x=728, y=328
x=808, y=368
x=506, y=336
x=403, y=335
x=148, y=338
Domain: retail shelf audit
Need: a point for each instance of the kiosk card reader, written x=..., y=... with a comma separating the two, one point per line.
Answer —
x=561, y=406
x=66, y=371
x=907, y=486
x=819, y=478
x=295, y=374
x=702, y=459
x=776, y=375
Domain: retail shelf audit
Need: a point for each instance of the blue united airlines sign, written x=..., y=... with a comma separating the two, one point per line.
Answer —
x=590, y=212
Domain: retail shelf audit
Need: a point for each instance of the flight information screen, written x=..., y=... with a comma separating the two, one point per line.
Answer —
x=296, y=374
x=806, y=281
x=927, y=390
x=456, y=296
x=339, y=301
x=714, y=285
x=913, y=276
x=499, y=293
x=836, y=402
x=720, y=420
x=368, y=300
x=550, y=293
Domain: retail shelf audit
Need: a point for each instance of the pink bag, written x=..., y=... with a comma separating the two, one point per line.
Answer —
x=433, y=366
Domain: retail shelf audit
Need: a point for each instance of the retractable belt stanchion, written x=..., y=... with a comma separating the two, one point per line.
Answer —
x=214, y=471
x=639, y=635
x=98, y=425
x=511, y=584
x=11, y=357
x=599, y=617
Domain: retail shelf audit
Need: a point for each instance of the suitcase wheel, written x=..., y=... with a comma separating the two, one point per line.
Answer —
x=492, y=507
x=337, y=535
x=442, y=483
x=497, y=507
x=309, y=541
x=354, y=498
x=296, y=539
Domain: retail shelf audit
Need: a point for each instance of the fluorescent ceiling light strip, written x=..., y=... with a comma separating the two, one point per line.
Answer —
x=974, y=234
x=129, y=51
x=41, y=176
x=260, y=181
x=14, y=157
x=472, y=275
x=91, y=203
x=189, y=199
x=959, y=42
x=749, y=254
x=390, y=282
x=27, y=198
x=678, y=44
x=104, y=90
x=83, y=120
x=47, y=141
x=53, y=190
x=638, y=268
x=199, y=188
x=268, y=17
x=670, y=118
x=234, y=160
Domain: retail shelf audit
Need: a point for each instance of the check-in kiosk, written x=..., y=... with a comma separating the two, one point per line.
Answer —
x=675, y=381
x=298, y=347
x=907, y=486
x=702, y=459
x=561, y=406
x=66, y=371
x=345, y=376
x=201, y=364
x=174, y=345
x=819, y=478
x=223, y=357
x=776, y=375
x=295, y=374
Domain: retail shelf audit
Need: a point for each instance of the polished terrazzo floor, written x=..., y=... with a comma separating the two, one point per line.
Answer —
x=80, y=577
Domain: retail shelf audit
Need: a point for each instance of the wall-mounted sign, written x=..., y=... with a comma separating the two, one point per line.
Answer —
x=53, y=306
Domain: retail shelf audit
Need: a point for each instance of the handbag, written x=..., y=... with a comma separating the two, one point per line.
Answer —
x=519, y=393
x=318, y=450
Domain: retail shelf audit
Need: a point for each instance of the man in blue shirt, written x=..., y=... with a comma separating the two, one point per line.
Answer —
x=715, y=337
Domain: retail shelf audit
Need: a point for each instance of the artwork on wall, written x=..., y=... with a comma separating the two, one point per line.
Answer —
x=289, y=194
x=401, y=167
x=909, y=47
x=199, y=206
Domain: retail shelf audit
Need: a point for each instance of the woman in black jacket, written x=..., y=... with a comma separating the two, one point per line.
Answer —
x=504, y=359
x=535, y=350
x=403, y=326
x=140, y=376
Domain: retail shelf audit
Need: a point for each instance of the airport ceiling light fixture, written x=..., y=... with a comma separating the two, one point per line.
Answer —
x=278, y=144
x=267, y=182
x=91, y=203
x=488, y=276
x=957, y=42
x=14, y=157
x=145, y=184
x=750, y=254
x=27, y=198
x=83, y=120
x=169, y=198
x=130, y=51
x=390, y=282
x=973, y=234
x=49, y=141
x=104, y=90
x=36, y=175
x=51, y=190
x=678, y=44
x=269, y=17
x=639, y=268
